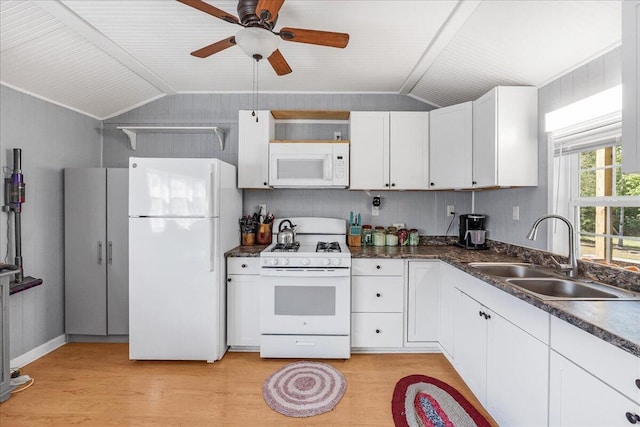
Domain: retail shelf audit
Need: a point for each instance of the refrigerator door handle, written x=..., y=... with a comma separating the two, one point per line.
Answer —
x=109, y=252
x=213, y=254
x=99, y=252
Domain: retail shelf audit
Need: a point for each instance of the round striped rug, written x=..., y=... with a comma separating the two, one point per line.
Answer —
x=304, y=389
x=420, y=401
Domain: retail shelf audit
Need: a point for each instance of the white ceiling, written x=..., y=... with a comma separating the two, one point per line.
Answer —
x=104, y=57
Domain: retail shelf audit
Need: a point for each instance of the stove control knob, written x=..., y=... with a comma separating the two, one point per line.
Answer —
x=305, y=261
x=274, y=261
x=335, y=261
x=284, y=261
x=325, y=261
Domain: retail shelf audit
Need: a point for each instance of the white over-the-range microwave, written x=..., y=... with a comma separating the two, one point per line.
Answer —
x=304, y=164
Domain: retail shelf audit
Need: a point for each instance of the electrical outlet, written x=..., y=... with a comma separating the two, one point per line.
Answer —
x=516, y=213
x=450, y=210
x=337, y=136
x=375, y=210
x=262, y=207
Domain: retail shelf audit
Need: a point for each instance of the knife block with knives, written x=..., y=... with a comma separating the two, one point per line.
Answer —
x=354, y=237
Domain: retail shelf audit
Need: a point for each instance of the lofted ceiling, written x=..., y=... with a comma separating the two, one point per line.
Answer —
x=105, y=57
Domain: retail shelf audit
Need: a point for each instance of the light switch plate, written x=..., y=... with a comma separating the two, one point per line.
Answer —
x=375, y=210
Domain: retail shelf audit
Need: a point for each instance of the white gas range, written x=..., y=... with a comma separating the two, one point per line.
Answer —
x=305, y=294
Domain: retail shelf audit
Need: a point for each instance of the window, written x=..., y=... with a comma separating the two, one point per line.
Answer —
x=589, y=186
x=607, y=206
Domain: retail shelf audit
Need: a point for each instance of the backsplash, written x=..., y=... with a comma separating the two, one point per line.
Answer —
x=424, y=210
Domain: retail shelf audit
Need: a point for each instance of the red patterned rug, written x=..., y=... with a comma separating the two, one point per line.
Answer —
x=420, y=401
x=304, y=389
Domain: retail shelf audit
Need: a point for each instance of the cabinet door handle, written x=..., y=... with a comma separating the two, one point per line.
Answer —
x=110, y=252
x=487, y=316
x=638, y=383
x=378, y=295
x=633, y=418
x=229, y=280
x=387, y=184
x=264, y=183
x=244, y=266
x=474, y=182
x=431, y=184
x=99, y=252
x=393, y=184
x=378, y=331
x=480, y=313
x=378, y=267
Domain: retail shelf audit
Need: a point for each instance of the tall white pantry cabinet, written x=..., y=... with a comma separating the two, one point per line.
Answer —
x=96, y=251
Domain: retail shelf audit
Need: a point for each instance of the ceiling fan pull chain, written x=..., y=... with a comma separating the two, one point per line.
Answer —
x=253, y=93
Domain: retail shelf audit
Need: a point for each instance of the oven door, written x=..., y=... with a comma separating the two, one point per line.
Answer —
x=305, y=302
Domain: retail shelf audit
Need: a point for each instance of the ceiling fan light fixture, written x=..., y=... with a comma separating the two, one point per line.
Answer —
x=257, y=43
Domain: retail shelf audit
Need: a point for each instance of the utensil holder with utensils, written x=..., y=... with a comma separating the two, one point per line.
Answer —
x=354, y=238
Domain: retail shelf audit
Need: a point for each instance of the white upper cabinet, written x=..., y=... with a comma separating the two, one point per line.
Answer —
x=505, y=137
x=409, y=151
x=253, y=148
x=389, y=151
x=450, y=139
x=630, y=86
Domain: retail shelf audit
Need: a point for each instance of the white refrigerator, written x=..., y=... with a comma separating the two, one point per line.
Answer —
x=183, y=217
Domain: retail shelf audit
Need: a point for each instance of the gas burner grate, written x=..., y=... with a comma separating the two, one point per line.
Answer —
x=286, y=247
x=328, y=247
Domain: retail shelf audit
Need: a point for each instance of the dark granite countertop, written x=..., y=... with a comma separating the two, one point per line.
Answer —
x=613, y=321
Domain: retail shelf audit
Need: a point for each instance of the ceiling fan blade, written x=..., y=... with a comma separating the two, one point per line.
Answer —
x=211, y=10
x=323, y=38
x=267, y=10
x=215, y=47
x=279, y=64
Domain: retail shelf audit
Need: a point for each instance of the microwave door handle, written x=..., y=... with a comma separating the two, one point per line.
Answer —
x=328, y=171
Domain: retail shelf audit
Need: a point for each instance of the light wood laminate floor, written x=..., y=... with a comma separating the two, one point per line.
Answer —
x=97, y=385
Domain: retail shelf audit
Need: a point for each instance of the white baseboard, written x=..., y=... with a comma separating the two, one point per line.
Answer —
x=38, y=352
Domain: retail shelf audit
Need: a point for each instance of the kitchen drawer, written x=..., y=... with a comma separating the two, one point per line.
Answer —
x=305, y=346
x=376, y=294
x=377, y=267
x=376, y=330
x=621, y=370
x=243, y=265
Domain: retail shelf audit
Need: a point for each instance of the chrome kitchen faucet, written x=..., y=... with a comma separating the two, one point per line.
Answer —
x=570, y=269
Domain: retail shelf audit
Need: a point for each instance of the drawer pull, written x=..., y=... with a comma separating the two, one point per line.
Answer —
x=378, y=295
x=244, y=265
x=378, y=331
x=632, y=418
x=378, y=267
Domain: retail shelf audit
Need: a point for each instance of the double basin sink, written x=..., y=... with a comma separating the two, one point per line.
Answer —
x=548, y=285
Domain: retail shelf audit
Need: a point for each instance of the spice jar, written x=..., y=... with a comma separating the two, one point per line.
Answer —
x=379, y=236
x=414, y=237
x=367, y=235
x=392, y=236
x=403, y=237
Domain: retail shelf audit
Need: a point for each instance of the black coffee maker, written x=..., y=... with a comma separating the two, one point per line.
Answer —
x=468, y=224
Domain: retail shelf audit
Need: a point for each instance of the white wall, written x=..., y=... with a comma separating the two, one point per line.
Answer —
x=52, y=138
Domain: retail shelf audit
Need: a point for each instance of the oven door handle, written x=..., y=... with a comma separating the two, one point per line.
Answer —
x=305, y=272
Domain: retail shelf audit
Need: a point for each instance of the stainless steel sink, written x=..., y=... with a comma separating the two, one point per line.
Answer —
x=556, y=288
x=549, y=285
x=509, y=269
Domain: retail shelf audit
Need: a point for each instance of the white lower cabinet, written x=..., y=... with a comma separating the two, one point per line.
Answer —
x=423, y=301
x=517, y=381
x=377, y=295
x=448, y=299
x=503, y=364
x=592, y=382
x=243, y=302
x=577, y=398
